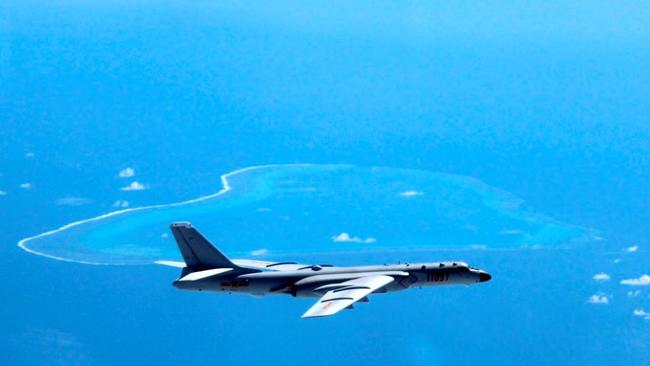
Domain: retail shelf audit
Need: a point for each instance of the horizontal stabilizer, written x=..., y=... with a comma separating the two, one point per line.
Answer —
x=199, y=275
x=172, y=264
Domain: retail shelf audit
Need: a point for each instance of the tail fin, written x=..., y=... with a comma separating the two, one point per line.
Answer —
x=197, y=251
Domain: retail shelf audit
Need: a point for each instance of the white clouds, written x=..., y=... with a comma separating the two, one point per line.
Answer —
x=121, y=204
x=3, y=193
x=164, y=236
x=259, y=252
x=510, y=232
x=601, y=277
x=346, y=238
x=632, y=249
x=126, y=173
x=263, y=209
x=598, y=299
x=72, y=201
x=29, y=155
x=642, y=313
x=410, y=193
x=26, y=185
x=134, y=186
x=644, y=280
x=633, y=293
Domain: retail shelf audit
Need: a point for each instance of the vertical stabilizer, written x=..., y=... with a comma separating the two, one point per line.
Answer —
x=197, y=251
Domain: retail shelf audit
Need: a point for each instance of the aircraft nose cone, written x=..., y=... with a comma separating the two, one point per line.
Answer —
x=484, y=277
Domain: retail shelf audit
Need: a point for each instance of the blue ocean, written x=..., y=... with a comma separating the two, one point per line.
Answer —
x=512, y=136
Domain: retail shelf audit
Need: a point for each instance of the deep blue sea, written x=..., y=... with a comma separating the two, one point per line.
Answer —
x=514, y=136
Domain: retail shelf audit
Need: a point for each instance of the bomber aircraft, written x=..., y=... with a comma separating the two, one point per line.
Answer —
x=207, y=269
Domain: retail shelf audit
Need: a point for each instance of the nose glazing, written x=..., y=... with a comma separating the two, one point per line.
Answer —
x=484, y=276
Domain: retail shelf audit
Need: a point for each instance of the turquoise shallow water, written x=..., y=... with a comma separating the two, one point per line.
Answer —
x=277, y=210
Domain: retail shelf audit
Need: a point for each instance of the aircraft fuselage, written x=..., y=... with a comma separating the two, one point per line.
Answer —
x=205, y=268
x=305, y=282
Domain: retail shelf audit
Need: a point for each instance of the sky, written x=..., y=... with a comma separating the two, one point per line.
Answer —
x=545, y=100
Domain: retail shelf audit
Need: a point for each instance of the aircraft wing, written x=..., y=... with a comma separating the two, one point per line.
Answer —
x=346, y=293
